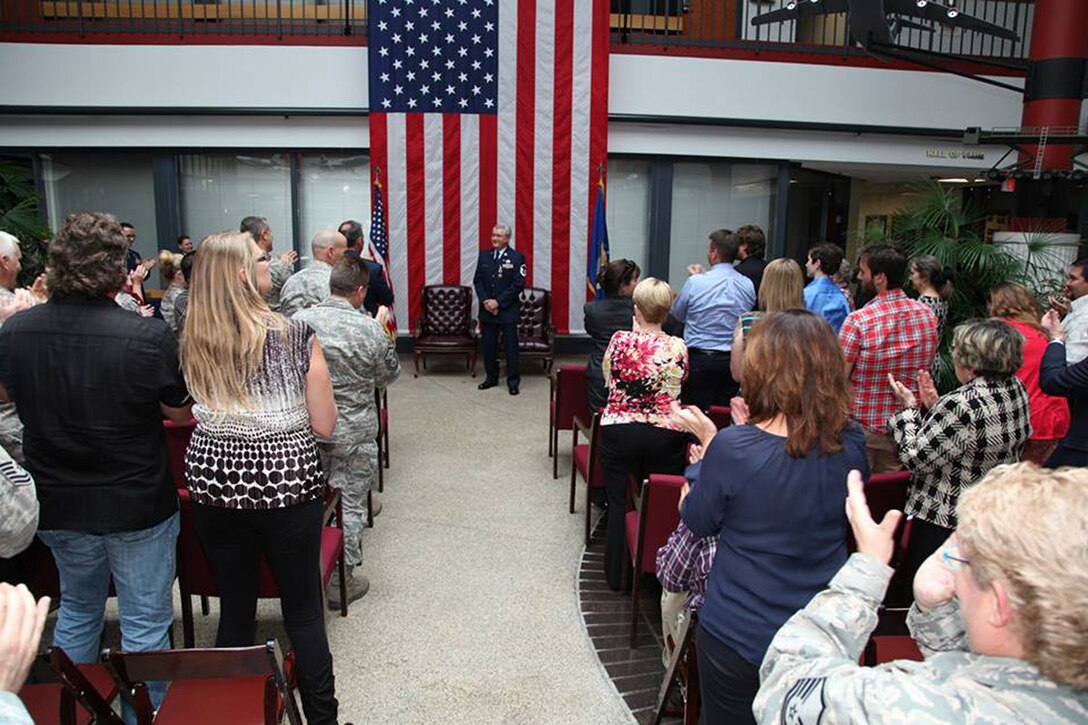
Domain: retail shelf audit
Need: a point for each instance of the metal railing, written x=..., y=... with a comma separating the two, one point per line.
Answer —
x=197, y=19
x=660, y=23
x=728, y=24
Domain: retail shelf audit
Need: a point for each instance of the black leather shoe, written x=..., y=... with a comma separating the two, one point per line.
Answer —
x=487, y=384
x=514, y=391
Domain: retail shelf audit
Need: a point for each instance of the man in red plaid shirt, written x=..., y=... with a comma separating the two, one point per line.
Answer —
x=892, y=334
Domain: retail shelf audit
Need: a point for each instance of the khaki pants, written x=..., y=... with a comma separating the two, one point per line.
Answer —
x=882, y=453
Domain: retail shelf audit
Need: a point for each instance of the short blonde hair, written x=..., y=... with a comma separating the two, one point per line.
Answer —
x=1026, y=526
x=991, y=348
x=653, y=297
x=782, y=286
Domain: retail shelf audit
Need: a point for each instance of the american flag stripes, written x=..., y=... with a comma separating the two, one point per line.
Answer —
x=378, y=247
x=485, y=112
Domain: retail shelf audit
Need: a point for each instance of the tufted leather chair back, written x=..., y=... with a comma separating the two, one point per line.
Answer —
x=447, y=310
x=534, y=319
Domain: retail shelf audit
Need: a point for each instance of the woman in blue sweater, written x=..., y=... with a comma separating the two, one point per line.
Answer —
x=772, y=489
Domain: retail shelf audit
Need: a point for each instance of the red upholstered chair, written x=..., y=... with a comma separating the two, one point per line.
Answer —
x=885, y=492
x=381, y=403
x=446, y=326
x=232, y=685
x=721, y=415
x=177, y=440
x=195, y=575
x=59, y=691
x=647, y=529
x=536, y=335
x=567, y=401
x=584, y=462
x=895, y=647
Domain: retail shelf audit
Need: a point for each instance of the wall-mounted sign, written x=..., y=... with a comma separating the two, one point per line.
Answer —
x=955, y=154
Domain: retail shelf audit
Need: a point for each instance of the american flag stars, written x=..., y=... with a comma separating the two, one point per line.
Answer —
x=460, y=38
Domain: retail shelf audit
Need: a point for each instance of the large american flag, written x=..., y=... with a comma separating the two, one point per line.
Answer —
x=487, y=112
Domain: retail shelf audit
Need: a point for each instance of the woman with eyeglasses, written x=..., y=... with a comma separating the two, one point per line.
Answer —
x=262, y=390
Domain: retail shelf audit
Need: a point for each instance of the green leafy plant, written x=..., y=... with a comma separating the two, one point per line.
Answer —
x=935, y=222
x=19, y=216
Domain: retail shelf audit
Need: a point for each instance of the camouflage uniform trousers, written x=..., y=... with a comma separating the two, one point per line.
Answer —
x=353, y=469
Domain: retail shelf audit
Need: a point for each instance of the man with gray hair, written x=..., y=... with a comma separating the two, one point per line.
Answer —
x=311, y=285
x=281, y=267
x=12, y=300
x=361, y=358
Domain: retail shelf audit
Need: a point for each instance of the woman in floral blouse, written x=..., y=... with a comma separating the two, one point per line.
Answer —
x=643, y=369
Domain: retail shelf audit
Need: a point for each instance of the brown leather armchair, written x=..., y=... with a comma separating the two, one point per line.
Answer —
x=536, y=335
x=446, y=326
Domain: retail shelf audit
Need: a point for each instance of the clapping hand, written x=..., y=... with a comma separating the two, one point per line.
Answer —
x=694, y=421
x=1052, y=323
x=695, y=453
x=289, y=258
x=738, y=411
x=39, y=288
x=927, y=390
x=147, y=311
x=902, y=392
x=874, y=540
x=21, y=624
x=935, y=581
x=1059, y=305
x=695, y=269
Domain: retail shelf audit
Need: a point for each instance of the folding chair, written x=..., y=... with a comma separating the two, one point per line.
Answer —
x=584, y=462
x=567, y=401
x=683, y=669
x=647, y=528
x=209, y=686
x=195, y=574
x=56, y=686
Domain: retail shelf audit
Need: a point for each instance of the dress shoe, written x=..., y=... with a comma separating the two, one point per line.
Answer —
x=514, y=390
x=487, y=384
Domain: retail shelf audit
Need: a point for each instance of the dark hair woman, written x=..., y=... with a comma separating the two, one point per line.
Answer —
x=606, y=316
x=772, y=490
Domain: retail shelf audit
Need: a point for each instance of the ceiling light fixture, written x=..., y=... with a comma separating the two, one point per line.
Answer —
x=952, y=10
x=791, y=5
x=922, y=3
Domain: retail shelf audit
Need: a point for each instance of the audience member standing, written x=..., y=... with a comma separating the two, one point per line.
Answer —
x=606, y=316
x=643, y=369
x=377, y=291
x=92, y=384
x=753, y=245
x=1015, y=305
x=998, y=614
x=132, y=257
x=1074, y=307
x=261, y=389
x=950, y=443
x=709, y=305
x=184, y=244
x=933, y=283
x=782, y=288
x=279, y=268
x=11, y=428
x=499, y=280
x=174, y=279
x=311, y=285
x=770, y=489
x=822, y=295
x=361, y=358
x=1070, y=380
x=891, y=335
x=181, y=302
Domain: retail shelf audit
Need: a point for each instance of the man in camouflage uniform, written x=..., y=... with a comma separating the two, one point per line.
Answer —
x=311, y=285
x=361, y=358
x=1016, y=591
x=281, y=267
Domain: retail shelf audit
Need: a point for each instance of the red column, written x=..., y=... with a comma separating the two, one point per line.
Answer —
x=1058, y=60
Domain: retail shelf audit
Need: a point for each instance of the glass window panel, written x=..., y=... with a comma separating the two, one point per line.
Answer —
x=629, y=210
x=333, y=189
x=709, y=195
x=219, y=190
x=120, y=184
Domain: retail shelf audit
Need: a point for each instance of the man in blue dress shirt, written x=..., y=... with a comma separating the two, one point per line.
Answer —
x=499, y=280
x=822, y=295
x=709, y=305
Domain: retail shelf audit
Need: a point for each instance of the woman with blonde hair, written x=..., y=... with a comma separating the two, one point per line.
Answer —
x=170, y=271
x=643, y=369
x=783, y=288
x=771, y=490
x=1015, y=305
x=262, y=390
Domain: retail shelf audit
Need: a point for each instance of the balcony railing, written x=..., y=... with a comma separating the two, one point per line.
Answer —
x=702, y=24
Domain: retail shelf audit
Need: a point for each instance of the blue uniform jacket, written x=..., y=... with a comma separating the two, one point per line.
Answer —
x=502, y=281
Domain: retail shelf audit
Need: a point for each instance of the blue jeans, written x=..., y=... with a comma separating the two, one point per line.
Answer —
x=142, y=565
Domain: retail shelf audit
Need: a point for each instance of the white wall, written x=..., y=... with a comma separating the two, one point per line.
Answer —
x=262, y=77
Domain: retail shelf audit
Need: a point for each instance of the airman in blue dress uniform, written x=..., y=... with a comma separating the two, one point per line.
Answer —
x=499, y=280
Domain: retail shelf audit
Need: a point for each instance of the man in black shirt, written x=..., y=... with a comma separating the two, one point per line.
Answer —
x=753, y=245
x=92, y=384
